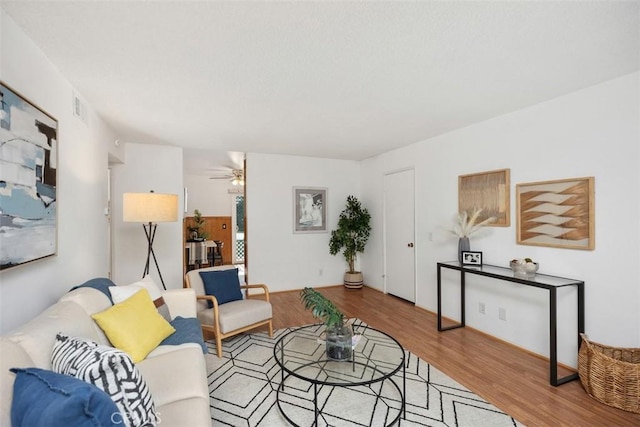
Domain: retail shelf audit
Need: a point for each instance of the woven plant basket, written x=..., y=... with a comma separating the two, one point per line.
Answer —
x=610, y=375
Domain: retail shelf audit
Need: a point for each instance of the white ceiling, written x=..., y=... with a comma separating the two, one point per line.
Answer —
x=334, y=79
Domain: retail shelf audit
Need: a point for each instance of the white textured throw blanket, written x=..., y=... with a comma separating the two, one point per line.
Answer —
x=197, y=252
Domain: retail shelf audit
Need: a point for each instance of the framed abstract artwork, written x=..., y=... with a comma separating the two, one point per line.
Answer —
x=309, y=210
x=558, y=214
x=28, y=180
x=488, y=191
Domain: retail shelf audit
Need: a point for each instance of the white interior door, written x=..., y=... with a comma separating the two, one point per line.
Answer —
x=399, y=234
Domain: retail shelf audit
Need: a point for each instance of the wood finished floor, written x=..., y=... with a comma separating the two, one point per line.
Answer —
x=510, y=378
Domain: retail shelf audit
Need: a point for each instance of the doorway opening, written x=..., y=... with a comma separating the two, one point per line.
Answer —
x=237, y=214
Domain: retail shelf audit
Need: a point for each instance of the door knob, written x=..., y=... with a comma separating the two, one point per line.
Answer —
x=410, y=245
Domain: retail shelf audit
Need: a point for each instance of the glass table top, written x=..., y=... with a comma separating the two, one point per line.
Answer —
x=540, y=280
x=302, y=353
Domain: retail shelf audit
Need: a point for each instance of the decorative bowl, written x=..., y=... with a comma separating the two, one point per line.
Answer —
x=526, y=270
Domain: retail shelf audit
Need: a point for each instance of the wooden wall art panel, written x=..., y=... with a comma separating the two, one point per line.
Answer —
x=557, y=213
x=489, y=191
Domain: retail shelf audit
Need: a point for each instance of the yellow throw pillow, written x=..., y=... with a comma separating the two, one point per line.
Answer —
x=134, y=325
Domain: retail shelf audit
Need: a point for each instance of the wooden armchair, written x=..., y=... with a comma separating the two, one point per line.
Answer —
x=234, y=317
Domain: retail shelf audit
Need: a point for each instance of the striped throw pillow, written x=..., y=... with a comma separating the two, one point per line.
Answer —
x=112, y=371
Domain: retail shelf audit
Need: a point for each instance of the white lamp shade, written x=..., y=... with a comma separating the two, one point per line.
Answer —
x=149, y=207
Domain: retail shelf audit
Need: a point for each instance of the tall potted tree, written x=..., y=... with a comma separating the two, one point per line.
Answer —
x=351, y=237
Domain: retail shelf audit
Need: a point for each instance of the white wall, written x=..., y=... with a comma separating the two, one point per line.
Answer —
x=592, y=132
x=210, y=196
x=82, y=184
x=278, y=257
x=147, y=167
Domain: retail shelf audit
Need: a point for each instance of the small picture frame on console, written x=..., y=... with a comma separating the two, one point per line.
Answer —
x=471, y=258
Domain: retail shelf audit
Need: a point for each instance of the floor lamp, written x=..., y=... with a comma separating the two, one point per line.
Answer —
x=150, y=209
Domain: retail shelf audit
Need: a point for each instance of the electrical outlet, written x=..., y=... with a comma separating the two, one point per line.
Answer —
x=320, y=272
x=502, y=313
x=481, y=308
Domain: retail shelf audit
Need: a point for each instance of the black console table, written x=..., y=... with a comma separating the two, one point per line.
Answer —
x=543, y=281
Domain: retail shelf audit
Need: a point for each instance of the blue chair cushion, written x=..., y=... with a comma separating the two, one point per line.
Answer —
x=222, y=284
x=48, y=399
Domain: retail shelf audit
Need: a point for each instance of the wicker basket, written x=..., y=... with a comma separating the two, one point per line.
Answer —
x=610, y=375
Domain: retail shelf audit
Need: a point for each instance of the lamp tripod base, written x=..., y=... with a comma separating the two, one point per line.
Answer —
x=150, y=232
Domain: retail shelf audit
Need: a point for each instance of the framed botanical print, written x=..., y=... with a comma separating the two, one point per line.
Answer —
x=309, y=210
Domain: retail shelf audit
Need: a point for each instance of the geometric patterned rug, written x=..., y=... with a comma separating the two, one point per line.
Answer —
x=243, y=385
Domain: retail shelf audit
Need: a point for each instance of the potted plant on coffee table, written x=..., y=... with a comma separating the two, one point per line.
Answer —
x=338, y=335
x=351, y=237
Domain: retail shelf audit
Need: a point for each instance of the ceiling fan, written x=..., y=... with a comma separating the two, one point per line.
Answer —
x=235, y=176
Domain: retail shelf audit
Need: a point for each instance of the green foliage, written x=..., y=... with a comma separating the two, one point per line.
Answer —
x=321, y=307
x=352, y=233
x=198, y=223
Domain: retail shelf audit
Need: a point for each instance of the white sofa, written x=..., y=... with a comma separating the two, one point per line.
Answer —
x=175, y=375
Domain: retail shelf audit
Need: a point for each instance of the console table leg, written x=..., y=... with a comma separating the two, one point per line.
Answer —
x=439, y=298
x=580, y=312
x=462, y=298
x=553, y=337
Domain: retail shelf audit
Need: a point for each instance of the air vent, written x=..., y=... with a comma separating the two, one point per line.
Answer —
x=79, y=108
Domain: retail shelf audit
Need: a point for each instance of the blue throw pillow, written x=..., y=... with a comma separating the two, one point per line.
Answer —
x=48, y=399
x=222, y=284
x=187, y=330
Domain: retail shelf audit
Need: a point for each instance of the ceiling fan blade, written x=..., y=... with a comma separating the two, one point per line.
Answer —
x=233, y=175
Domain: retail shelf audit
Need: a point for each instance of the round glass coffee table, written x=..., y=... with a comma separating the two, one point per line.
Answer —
x=317, y=391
